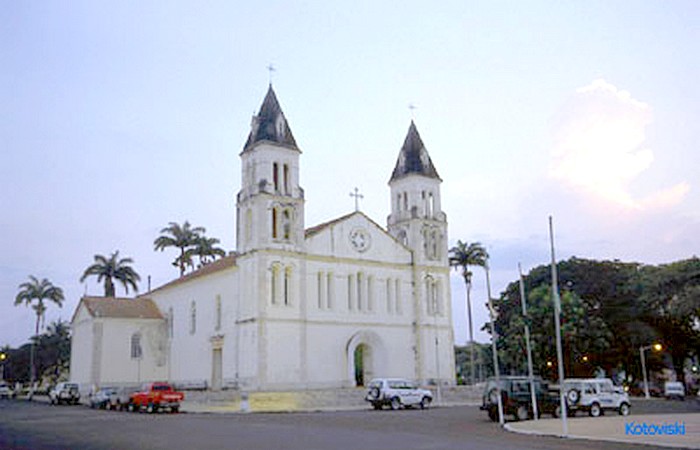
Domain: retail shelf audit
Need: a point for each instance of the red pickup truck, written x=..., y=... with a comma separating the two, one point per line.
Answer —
x=155, y=396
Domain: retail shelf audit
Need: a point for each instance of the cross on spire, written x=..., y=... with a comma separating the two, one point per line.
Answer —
x=412, y=108
x=270, y=69
x=358, y=196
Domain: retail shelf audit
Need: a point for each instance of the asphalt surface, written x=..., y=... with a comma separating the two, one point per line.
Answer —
x=39, y=426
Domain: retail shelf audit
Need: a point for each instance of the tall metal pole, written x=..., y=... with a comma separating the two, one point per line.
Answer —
x=644, y=372
x=557, y=330
x=530, y=375
x=494, y=338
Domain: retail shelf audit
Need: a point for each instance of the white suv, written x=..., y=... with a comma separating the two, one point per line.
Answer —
x=397, y=392
x=595, y=395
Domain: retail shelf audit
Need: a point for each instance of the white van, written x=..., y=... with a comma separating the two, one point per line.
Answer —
x=674, y=389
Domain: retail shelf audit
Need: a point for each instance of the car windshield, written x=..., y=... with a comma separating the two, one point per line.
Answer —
x=161, y=387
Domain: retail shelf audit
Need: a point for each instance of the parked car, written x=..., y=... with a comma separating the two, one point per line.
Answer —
x=674, y=389
x=517, y=400
x=104, y=398
x=397, y=393
x=156, y=396
x=5, y=390
x=65, y=392
x=595, y=395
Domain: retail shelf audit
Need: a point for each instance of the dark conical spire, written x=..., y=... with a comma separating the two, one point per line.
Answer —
x=413, y=158
x=270, y=124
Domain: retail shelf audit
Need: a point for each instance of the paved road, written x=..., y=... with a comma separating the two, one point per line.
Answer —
x=38, y=426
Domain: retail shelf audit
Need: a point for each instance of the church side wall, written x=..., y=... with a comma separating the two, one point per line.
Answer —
x=200, y=322
x=118, y=364
x=81, y=348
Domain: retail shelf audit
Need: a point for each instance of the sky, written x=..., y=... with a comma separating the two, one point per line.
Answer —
x=117, y=118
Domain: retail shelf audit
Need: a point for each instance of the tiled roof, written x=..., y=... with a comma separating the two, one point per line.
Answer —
x=123, y=308
x=213, y=267
x=413, y=158
x=270, y=125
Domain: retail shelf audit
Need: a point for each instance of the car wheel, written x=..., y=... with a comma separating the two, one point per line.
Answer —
x=377, y=406
x=151, y=408
x=522, y=413
x=424, y=402
x=131, y=407
x=374, y=393
x=557, y=412
x=573, y=396
x=624, y=409
x=175, y=409
x=493, y=414
x=595, y=410
x=395, y=403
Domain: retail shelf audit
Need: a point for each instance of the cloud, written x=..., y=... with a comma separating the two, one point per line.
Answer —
x=599, y=137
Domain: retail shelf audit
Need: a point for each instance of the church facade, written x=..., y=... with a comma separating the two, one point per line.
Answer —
x=329, y=306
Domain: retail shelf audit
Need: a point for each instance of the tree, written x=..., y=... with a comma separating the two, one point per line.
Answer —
x=602, y=296
x=462, y=256
x=113, y=269
x=205, y=248
x=179, y=236
x=34, y=293
x=671, y=298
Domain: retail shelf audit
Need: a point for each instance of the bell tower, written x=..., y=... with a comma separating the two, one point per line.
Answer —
x=416, y=218
x=270, y=204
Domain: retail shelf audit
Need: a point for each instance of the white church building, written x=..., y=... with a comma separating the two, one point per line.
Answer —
x=292, y=308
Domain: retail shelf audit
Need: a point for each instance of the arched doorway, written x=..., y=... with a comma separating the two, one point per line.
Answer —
x=366, y=358
x=363, y=364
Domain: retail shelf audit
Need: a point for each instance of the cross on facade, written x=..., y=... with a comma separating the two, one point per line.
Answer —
x=358, y=196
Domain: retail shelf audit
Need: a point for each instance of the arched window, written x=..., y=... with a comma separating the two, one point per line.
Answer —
x=274, y=281
x=275, y=176
x=286, y=224
x=431, y=205
x=171, y=322
x=389, y=296
x=319, y=293
x=136, y=351
x=274, y=223
x=193, y=317
x=217, y=320
x=360, y=297
x=287, y=286
x=330, y=287
x=286, y=178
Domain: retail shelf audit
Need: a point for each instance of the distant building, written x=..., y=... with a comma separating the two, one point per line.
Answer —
x=293, y=308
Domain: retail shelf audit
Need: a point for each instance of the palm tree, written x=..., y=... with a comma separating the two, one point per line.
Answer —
x=113, y=269
x=33, y=293
x=179, y=236
x=462, y=256
x=205, y=248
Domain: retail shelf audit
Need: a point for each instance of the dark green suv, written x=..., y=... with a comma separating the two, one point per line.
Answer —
x=516, y=398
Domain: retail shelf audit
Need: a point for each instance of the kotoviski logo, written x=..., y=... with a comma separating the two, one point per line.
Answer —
x=654, y=429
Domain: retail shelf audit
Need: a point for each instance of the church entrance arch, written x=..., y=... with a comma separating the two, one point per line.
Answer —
x=363, y=352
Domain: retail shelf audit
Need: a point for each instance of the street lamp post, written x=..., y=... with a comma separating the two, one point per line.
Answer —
x=3, y=357
x=643, y=349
